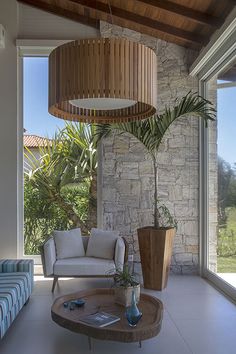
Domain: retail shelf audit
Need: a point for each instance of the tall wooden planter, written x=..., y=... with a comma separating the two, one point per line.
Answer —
x=155, y=246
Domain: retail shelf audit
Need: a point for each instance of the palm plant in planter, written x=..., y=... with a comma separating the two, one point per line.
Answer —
x=155, y=242
x=125, y=282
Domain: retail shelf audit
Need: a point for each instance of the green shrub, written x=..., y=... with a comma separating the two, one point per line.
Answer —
x=42, y=217
x=226, y=243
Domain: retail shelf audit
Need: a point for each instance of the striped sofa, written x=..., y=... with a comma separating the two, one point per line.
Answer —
x=16, y=285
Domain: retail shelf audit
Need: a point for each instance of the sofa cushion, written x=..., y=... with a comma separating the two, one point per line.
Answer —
x=102, y=243
x=13, y=286
x=18, y=281
x=83, y=266
x=69, y=244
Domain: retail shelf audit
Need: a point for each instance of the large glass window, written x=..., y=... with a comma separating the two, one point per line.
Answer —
x=221, y=89
x=60, y=165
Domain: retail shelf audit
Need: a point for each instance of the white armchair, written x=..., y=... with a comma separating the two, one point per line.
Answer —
x=82, y=267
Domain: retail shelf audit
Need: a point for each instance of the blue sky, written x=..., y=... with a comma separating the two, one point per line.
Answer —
x=38, y=121
x=226, y=114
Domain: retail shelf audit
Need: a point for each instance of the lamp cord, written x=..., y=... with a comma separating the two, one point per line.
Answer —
x=111, y=16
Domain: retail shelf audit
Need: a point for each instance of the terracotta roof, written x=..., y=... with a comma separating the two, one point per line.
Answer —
x=34, y=141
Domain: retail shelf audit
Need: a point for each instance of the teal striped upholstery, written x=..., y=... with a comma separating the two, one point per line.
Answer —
x=18, y=265
x=16, y=285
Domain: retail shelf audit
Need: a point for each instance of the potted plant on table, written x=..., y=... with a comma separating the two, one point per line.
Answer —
x=156, y=241
x=124, y=283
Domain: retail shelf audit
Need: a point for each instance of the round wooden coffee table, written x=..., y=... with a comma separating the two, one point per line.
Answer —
x=103, y=300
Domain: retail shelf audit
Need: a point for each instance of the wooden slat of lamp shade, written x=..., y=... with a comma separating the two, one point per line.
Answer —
x=104, y=69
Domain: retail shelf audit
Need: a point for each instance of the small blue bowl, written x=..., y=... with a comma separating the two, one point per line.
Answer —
x=78, y=302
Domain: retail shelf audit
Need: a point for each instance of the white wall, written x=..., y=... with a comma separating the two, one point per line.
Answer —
x=20, y=22
x=8, y=131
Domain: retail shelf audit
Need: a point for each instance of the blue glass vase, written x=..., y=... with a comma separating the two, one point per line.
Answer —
x=132, y=313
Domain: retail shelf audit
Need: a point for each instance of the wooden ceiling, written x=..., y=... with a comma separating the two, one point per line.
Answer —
x=189, y=23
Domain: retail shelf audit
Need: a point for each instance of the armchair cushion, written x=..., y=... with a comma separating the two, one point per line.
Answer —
x=69, y=244
x=102, y=243
x=49, y=256
x=84, y=266
x=19, y=265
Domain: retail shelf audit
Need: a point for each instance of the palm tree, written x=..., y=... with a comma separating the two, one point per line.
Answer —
x=150, y=132
x=80, y=138
x=65, y=161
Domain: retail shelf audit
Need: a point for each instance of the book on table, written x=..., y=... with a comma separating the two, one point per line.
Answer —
x=100, y=319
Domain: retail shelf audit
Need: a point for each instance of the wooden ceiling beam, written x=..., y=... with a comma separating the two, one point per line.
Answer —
x=141, y=20
x=60, y=11
x=190, y=14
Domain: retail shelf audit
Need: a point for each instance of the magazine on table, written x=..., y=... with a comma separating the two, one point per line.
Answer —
x=100, y=319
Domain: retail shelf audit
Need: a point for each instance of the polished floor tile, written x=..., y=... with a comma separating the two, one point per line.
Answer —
x=209, y=336
x=197, y=320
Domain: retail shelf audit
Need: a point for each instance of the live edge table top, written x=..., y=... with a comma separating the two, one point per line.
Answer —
x=103, y=300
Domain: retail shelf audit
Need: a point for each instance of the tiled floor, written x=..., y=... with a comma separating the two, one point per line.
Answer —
x=197, y=319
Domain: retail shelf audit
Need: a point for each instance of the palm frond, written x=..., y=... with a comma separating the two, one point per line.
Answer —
x=151, y=131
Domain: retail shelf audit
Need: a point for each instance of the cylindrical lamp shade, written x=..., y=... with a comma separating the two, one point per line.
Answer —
x=102, y=80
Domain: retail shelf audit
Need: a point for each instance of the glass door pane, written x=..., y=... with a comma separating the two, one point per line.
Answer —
x=221, y=90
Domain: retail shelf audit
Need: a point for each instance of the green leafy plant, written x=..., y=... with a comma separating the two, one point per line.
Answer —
x=60, y=187
x=123, y=277
x=41, y=217
x=150, y=132
x=66, y=161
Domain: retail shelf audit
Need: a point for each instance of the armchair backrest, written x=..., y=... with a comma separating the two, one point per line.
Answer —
x=85, y=242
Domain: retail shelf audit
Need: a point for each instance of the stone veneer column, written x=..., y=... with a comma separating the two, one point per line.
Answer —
x=212, y=181
x=127, y=175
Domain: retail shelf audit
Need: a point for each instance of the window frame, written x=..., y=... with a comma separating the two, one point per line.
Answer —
x=215, y=57
x=38, y=48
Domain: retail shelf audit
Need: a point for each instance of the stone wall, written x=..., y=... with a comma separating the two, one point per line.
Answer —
x=213, y=181
x=127, y=175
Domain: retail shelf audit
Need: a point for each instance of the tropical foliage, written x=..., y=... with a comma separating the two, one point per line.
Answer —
x=150, y=132
x=60, y=186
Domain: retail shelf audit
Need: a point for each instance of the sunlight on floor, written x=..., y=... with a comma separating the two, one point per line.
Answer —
x=230, y=278
x=41, y=278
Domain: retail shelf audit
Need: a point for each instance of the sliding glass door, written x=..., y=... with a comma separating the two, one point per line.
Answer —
x=221, y=178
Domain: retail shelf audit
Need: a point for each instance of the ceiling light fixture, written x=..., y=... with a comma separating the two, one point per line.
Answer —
x=102, y=80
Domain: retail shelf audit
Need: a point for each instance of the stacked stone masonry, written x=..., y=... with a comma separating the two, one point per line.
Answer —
x=213, y=182
x=127, y=175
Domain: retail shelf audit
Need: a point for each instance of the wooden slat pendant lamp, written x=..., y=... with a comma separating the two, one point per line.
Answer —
x=102, y=80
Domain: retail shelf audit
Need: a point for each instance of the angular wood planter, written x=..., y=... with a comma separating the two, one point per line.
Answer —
x=155, y=246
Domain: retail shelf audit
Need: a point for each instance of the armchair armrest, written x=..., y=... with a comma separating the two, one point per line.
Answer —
x=48, y=255
x=18, y=265
x=120, y=253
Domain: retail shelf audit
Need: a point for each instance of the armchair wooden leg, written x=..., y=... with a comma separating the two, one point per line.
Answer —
x=55, y=280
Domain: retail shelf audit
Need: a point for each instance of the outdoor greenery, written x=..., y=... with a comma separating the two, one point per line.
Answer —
x=226, y=190
x=226, y=264
x=60, y=187
x=150, y=133
x=226, y=241
x=227, y=234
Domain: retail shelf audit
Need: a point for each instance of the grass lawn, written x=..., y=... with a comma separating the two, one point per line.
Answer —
x=226, y=264
x=227, y=244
